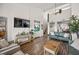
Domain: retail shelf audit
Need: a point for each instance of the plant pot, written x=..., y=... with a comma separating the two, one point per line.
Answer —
x=78, y=34
x=74, y=36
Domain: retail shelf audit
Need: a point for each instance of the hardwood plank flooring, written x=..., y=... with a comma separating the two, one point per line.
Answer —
x=34, y=47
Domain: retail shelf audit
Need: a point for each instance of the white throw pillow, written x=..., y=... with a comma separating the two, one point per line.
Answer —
x=66, y=35
x=52, y=33
x=3, y=43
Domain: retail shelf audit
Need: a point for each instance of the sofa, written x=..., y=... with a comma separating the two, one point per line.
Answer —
x=7, y=48
x=61, y=36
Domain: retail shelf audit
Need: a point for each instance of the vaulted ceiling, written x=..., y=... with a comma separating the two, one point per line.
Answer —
x=43, y=6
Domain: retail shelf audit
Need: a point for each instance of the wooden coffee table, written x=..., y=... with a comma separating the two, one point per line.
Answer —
x=52, y=47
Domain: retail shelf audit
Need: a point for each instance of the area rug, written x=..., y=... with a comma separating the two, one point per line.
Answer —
x=63, y=49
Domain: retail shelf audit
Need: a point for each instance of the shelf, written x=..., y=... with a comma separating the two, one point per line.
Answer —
x=3, y=23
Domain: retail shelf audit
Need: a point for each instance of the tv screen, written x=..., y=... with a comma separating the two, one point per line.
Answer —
x=18, y=22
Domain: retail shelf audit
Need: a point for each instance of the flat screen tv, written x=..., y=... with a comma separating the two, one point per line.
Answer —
x=22, y=23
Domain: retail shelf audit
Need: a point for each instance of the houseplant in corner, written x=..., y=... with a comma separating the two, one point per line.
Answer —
x=74, y=25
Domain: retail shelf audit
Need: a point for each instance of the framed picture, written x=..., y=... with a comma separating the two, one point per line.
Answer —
x=36, y=25
x=21, y=23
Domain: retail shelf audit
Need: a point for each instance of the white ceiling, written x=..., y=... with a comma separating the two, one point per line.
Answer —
x=43, y=6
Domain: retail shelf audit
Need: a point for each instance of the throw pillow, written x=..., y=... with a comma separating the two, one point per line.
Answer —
x=3, y=43
x=52, y=33
x=66, y=35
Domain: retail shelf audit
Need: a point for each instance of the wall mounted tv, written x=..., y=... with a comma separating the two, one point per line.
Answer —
x=21, y=23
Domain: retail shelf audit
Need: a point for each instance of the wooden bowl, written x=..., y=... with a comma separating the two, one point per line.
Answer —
x=2, y=34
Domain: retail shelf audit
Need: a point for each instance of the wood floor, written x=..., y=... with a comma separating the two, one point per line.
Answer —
x=34, y=47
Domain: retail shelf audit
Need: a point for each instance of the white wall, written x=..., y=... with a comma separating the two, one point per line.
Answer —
x=60, y=17
x=75, y=8
x=21, y=11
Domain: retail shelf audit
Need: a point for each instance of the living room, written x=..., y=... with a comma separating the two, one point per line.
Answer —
x=28, y=26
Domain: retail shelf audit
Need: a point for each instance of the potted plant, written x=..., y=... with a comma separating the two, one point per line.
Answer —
x=31, y=35
x=74, y=25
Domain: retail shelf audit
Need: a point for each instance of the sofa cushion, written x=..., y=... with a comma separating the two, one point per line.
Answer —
x=3, y=43
x=56, y=33
x=61, y=34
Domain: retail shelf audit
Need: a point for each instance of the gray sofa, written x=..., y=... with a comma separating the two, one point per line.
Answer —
x=60, y=36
